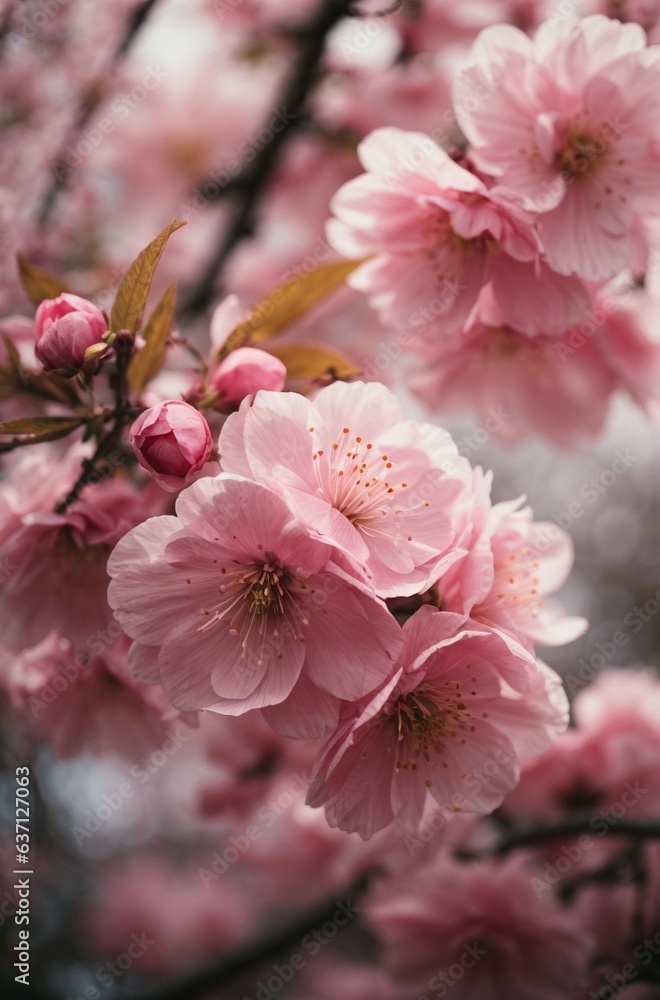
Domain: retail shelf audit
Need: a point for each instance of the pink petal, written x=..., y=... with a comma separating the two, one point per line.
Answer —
x=306, y=713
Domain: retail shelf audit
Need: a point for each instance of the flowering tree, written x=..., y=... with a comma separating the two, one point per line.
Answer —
x=276, y=719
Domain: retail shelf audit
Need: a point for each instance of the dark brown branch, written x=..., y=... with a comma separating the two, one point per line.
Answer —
x=108, y=443
x=219, y=975
x=248, y=185
x=90, y=102
x=138, y=19
x=544, y=833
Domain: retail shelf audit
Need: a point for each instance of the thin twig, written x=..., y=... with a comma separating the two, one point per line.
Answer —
x=219, y=975
x=123, y=347
x=249, y=184
x=89, y=105
x=543, y=833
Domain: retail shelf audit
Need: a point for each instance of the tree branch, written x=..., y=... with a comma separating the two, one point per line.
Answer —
x=221, y=974
x=248, y=185
x=89, y=105
x=543, y=833
x=123, y=347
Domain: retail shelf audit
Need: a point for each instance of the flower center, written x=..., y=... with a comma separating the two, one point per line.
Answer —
x=503, y=341
x=424, y=720
x=359, y=481
x=580, y=154
x=267, y=594
x=257, y=601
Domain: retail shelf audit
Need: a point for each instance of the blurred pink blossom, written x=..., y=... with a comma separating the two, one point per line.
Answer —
x=87, y=703
x=479, y=930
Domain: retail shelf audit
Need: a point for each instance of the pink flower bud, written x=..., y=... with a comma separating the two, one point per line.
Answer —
x=246, y=370
x=65, y=328
x=172, y=441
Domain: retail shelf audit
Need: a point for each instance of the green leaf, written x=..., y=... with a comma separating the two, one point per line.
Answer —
x=289, y=302
x=36, y=429
x=134, y=288
x=306, y=361
x=149, y=359
x=38, y=284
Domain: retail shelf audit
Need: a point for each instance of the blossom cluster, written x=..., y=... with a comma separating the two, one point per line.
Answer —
x=509, y=262
x=269, y=637
x=275, y=587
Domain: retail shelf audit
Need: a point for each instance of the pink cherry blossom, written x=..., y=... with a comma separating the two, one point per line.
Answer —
x=146, y=897
x=53, y=565
x=436, y=234
x=65, y=328
x=244, y=371
x=644, y=12
x=486, y=920
x=84, y=703
x=300, y=858
x=628, y=339
x=430, y=730
x=382, y=490
x=559, y=387
x=512, y=564
x=612, y=757
x=172, y=441
x=569, y=121
x=235, y=605
x=246, y=759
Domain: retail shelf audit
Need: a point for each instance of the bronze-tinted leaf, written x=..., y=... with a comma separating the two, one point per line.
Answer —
x=133, y=290
x=39, y=385
x=12, y=352
x=306, y=361
x=38, y=284
x=30, y=430
x=289, y=302
x=149, y=359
